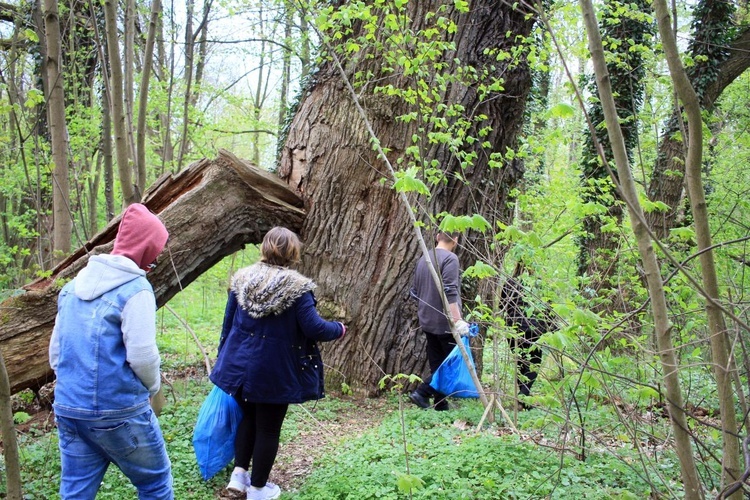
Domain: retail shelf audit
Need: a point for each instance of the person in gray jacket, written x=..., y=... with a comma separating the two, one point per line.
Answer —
x=432, y=316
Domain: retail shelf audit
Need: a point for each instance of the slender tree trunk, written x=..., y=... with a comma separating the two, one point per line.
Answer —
x=670, y=366
x=200, y=63
x=148, y=57
x=129, y=193
x=189, y=62
x=257, y=101
x=717, y=328
x=94, y=182
x=286, y=67
x=63, y=219
x=106, y=153
x=304, y=55
x=129, y=92
x=598, y=248
x=10, y=443
x=166, y=78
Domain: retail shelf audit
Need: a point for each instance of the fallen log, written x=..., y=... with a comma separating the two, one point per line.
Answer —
x=211, y=209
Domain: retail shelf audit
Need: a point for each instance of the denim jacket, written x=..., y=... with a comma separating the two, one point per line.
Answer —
x=96, y=369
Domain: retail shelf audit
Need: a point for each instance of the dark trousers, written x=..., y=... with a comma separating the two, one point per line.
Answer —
x=528, y=357
x=258, y=439
x=438, y=348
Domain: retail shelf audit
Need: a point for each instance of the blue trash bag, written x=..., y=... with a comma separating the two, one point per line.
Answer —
x=213, y=436
x=452, y=377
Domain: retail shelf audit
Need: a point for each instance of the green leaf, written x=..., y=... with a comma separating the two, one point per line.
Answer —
x=513, y=233
x=33, y=98
x=461, y=5
x=647, y=393
x=407, y=182
x=682, y=233
x=480, y=270
x=562, y=110
x=408, y=482
x=461, y=223
x=21, y=417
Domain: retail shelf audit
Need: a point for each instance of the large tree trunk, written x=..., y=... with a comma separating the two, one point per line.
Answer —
x=211, y=209
x=710, y=77
x=599, y=249
x=359, y=244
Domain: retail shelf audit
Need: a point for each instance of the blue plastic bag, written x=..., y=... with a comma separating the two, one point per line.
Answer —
x=452, y=377
x=213, y=436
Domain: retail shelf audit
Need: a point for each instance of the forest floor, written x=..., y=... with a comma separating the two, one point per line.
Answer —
x=296, y=457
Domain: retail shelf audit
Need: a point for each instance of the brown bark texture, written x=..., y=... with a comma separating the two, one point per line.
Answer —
x=212, y=209
x=359, y=245
x=63, y=219
x=668, y=179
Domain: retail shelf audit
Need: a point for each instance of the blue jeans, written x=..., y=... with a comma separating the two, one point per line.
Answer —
x=135, y=445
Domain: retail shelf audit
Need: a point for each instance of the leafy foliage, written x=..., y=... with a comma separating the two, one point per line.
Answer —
x=449, y=460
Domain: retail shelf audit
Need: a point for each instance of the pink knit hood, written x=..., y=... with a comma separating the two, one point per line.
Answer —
x=141, y=236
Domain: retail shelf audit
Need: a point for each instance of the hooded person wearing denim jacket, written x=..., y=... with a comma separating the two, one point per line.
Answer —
x=104, y=354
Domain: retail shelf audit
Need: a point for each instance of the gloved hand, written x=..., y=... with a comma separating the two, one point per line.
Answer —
x=473, y=329
x=462, y=328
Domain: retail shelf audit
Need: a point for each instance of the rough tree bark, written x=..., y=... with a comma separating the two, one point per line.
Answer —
x=63, y=218
x=359, y=246
x=211, y=209
x=599, y=249
x=668, y=178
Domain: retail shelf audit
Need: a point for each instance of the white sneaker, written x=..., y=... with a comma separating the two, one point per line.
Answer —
x=269, y=492
x=240, y=481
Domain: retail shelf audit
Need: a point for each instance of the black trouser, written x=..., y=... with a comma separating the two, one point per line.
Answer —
x=528, y=357
x=258, y=439
x=438, y=348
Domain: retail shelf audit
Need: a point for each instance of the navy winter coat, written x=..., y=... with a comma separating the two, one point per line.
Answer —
x=268, y=347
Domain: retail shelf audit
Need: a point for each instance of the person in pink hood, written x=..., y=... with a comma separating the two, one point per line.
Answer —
x=103, y=351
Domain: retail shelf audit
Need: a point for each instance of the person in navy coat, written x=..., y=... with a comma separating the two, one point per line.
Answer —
x=268, y=355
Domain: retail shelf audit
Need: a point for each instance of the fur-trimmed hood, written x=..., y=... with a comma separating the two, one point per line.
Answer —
x=264, y=290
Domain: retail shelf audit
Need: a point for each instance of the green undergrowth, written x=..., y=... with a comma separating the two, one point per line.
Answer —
x=40, y=459
x=449, y=459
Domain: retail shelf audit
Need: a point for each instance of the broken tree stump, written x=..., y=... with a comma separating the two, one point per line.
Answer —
x=211, y=209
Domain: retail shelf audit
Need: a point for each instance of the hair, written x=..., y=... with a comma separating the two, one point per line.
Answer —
x=280, y=247
x=447, y=237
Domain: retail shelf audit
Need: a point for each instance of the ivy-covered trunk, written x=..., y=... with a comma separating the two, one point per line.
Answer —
x=359, y=245
x=628, y=32
x=720, y=54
